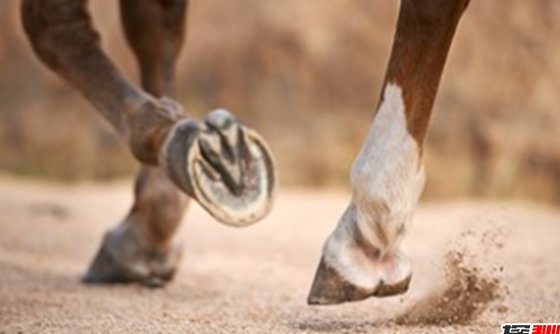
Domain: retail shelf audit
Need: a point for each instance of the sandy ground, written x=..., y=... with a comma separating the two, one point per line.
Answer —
x=255, y=280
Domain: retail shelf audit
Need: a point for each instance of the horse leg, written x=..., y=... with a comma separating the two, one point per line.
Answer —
x=362, y=257
x=144, y=246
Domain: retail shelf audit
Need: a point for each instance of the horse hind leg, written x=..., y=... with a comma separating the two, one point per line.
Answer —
x=144, y=247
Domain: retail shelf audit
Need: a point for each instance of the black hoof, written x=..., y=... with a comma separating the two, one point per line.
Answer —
x=390, y=290
x=106, y=269
x=120, y=261
x=329, y=288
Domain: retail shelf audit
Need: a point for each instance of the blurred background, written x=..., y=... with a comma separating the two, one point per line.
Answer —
x=307, y=75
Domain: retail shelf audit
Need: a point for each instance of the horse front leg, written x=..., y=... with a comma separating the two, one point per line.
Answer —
x=363, y=257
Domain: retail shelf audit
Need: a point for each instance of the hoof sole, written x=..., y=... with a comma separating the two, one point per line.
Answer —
x=227, y=168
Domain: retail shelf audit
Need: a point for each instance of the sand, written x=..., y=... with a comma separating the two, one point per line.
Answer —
x=477, y=266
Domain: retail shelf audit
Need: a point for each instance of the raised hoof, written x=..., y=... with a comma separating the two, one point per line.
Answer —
x=330, y=288
x=116, y=265
x=226, y=167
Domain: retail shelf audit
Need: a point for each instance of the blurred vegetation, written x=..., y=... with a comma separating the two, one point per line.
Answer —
x=307, y=74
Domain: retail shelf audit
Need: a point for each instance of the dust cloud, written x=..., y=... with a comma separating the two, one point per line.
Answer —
x=472, y=283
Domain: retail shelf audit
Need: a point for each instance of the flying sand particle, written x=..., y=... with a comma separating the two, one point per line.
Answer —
x=469, y=288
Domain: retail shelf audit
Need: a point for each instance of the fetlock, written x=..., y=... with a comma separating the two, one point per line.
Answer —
x=148, y=127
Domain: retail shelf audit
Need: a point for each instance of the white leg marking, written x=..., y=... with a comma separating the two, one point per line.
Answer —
x=387, y=179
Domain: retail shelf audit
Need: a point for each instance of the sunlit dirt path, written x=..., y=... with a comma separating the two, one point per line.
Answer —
x=255, y=280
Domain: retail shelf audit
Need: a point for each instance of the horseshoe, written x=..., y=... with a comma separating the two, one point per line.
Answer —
x=226, y=167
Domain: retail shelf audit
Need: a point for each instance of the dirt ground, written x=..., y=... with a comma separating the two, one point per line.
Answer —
x=477, y=265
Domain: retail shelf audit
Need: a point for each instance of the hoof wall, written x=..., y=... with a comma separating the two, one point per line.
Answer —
x=108, y=268
x=330, y=288
x=390, y=290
